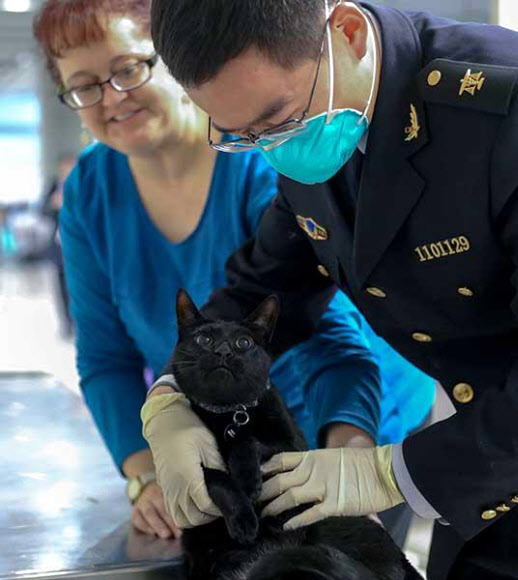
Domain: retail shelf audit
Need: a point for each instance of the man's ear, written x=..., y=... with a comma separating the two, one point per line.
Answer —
x=186, y=312
x=350, y=23
x=264, y=317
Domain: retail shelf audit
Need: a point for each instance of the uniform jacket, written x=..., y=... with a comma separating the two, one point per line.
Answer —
x=422, y=234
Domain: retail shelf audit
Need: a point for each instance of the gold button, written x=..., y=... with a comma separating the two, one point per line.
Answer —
x=434, y=78
x=323, y=271
x=464, y=291
x=514, y=499
x=503, y=508
x=377, y=292
x=421, y=337
x=463, y=393
x=489, y=515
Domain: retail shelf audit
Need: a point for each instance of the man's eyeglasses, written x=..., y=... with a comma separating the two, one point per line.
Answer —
x=130, y=77
x=273, y=136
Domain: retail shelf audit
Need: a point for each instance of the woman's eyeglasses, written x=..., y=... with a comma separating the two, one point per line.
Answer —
x=130, y=77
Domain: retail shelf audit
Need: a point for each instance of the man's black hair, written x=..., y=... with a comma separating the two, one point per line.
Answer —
x=196, y=38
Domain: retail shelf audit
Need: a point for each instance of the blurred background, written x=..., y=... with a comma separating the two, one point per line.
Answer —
x=38, y=144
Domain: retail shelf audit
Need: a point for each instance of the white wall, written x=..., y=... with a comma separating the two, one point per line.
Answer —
x=508, y=13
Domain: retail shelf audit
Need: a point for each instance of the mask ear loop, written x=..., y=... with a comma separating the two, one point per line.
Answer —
x=330, y=112
x=374, y=72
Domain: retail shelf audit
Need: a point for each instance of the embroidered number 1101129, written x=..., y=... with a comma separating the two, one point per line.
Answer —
x=443, y=249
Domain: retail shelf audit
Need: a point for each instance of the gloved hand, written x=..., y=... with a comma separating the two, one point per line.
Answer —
x=181, y=444
x=341, y=482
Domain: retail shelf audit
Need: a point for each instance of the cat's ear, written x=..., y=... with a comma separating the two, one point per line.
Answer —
x=186, y=312
x=264, y=317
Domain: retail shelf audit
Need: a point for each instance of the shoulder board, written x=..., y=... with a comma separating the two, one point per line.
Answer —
x=468, y=85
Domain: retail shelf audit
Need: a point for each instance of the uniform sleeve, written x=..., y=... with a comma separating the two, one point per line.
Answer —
x=109, y=365
x=340, y=379
x=278, y=260
x=334, y=368
x=485, y=433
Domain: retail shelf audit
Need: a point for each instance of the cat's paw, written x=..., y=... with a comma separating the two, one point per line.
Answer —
x=243, y=526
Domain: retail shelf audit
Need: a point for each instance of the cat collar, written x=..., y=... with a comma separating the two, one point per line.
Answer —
x=170, y=381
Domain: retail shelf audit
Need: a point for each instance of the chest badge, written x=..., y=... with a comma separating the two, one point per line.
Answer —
x=471, y=83
x=412, y=131
x=314, y=231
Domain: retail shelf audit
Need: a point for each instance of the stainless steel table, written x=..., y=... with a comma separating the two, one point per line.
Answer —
x=63, y=511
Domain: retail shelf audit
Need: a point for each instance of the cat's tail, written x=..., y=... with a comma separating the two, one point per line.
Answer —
x=306, y=563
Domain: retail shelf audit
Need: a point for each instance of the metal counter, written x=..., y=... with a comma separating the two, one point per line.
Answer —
x=63, y=510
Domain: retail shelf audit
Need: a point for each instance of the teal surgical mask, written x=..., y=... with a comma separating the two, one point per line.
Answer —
x=327, y=142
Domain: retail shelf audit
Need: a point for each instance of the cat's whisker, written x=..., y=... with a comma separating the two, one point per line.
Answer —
x=182, y=349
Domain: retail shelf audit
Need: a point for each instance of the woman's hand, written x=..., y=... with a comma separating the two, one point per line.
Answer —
x=149, y=514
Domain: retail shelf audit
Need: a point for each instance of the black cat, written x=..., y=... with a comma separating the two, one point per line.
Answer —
x=222, y=367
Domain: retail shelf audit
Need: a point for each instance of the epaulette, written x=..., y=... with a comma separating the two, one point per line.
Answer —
x=481, y=87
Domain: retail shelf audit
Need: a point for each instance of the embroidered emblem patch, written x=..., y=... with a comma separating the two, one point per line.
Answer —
x=314, y=231
x=412, y=132
x=471, y=82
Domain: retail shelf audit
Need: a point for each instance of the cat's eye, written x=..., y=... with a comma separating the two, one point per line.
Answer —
x=244, y=343
x=203, y=339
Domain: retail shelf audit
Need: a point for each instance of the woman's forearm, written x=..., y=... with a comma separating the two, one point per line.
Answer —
x=347, y=435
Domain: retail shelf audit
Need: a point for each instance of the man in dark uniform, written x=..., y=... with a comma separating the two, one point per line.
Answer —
x=408, y=157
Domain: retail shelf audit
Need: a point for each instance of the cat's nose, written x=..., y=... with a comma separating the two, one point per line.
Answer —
x=224, y=350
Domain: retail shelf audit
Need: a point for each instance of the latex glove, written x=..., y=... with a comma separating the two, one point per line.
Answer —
x=181, y=444
x=341, y=482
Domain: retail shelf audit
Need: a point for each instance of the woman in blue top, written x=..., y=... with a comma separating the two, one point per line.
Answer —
x=150, y=209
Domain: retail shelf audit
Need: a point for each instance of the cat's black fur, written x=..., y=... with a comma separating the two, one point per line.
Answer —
x=214, y=371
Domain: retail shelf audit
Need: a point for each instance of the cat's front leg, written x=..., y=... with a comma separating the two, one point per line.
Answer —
x=244, y=462
x=235, y=506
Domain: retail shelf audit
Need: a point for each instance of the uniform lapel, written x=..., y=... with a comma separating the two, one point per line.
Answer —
x=390, y=186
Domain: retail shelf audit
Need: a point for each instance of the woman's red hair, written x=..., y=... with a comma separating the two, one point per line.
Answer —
x=62, y=25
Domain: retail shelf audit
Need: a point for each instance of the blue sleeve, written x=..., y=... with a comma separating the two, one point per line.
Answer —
x=109, y=365
x=340, y=379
